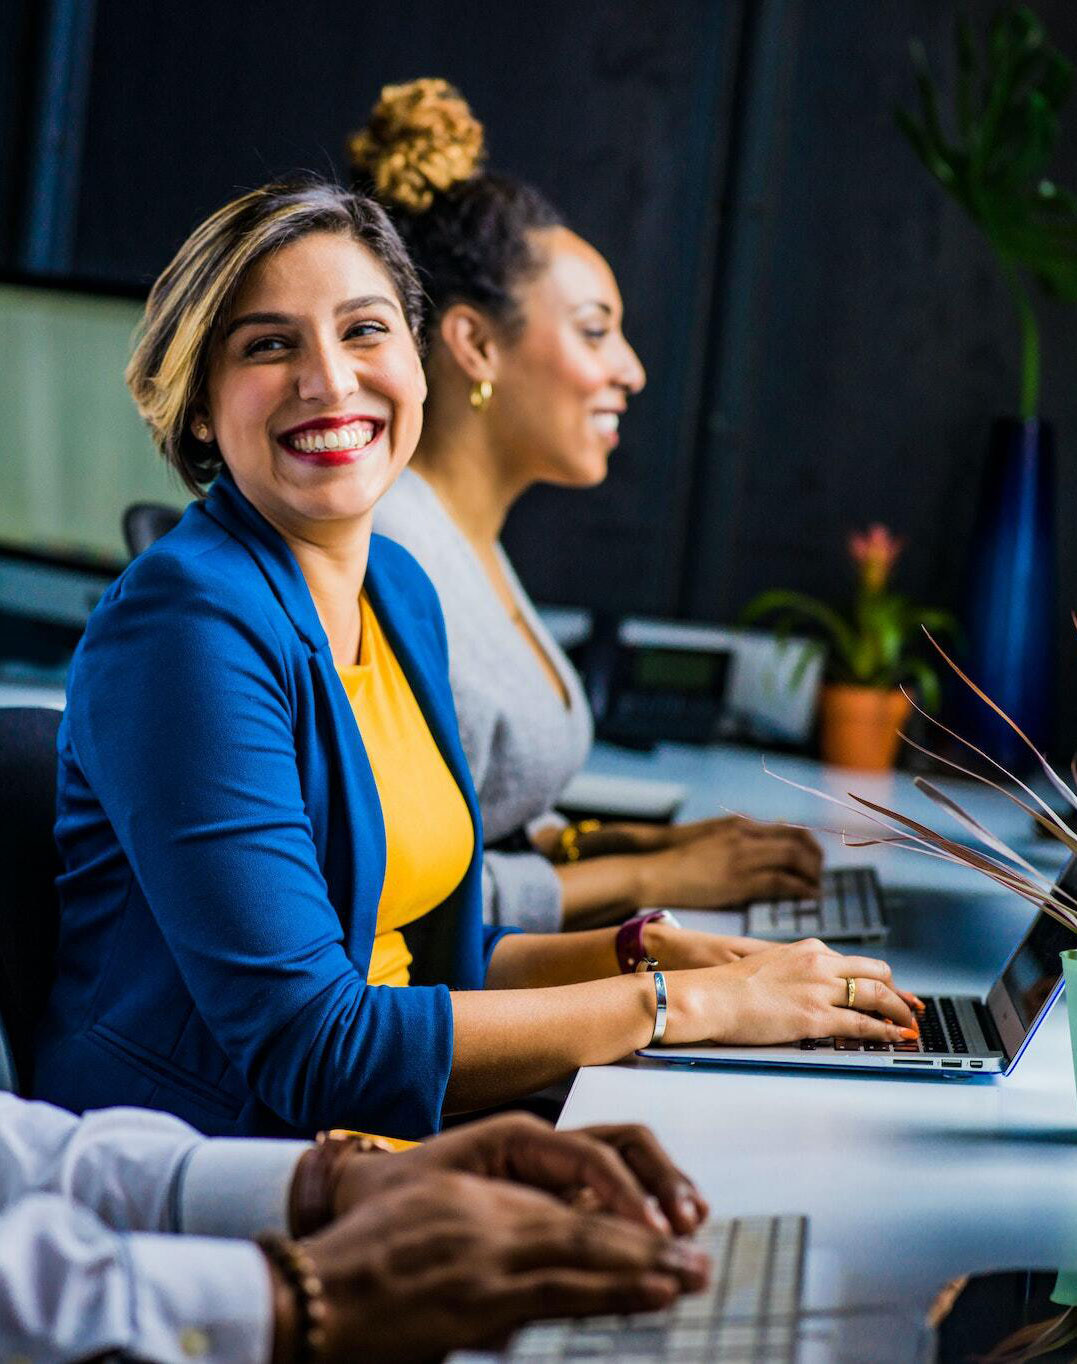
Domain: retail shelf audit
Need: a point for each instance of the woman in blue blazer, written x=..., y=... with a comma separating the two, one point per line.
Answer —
x=219, y=819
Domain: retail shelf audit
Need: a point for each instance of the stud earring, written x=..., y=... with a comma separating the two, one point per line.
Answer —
x=202, y=431
x=481, y=393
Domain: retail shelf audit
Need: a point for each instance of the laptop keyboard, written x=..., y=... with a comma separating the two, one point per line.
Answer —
x=850, y=906
x=940, y=1032
x=747, y=1314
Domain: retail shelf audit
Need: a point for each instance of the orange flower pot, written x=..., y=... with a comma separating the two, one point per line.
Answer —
x=860, y=726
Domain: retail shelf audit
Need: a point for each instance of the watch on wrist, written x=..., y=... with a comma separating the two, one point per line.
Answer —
x=631, y=954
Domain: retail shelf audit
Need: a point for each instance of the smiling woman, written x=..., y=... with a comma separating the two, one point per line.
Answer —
x=271, y=897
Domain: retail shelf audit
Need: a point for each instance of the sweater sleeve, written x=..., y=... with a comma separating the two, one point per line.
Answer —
x=521, y=890
x=181, y=719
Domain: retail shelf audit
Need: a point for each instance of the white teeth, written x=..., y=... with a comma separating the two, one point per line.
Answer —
x=352, y=437
x=606, y=422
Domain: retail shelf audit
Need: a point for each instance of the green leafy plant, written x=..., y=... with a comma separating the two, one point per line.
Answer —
x=877, y=643
x=994, y=158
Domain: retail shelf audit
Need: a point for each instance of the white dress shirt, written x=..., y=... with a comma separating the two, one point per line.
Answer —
x=85, y=1264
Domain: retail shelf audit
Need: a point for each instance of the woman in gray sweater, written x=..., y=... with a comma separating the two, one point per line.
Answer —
x=529, y=374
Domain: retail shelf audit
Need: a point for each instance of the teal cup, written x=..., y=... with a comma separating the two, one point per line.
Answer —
x=1069, y=972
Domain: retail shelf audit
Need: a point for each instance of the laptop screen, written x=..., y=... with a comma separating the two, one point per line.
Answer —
x=1032, y=973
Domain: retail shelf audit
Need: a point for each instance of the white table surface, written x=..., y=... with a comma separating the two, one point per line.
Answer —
x=910, y=1180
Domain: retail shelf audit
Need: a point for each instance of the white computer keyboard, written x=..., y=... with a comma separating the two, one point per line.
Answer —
x=849, y=909
x=748, y=1313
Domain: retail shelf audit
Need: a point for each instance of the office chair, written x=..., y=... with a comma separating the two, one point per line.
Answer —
x=29, y=905
x=145, y=522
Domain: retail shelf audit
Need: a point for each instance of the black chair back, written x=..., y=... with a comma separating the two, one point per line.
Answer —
x=145, y=522
x=29, y=863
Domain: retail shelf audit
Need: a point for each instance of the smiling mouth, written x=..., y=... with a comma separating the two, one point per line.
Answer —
x=331, y=442
x=606, y=423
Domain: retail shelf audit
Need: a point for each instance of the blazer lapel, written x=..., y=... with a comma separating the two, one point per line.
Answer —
x=355, y=868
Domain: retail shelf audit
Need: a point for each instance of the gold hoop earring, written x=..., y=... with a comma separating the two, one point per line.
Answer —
x=481, y=393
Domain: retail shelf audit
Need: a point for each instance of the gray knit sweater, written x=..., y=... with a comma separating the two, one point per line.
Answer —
x=522, y=743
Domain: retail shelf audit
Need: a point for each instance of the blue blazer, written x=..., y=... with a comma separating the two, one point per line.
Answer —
x=224, y=851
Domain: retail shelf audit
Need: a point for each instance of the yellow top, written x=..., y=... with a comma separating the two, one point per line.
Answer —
x=429, y=837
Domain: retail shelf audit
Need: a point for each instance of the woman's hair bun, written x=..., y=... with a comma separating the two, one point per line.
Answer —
x=422, y=139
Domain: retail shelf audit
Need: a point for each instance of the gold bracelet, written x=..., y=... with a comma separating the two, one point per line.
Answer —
x=568, y=847
x=311, y=1200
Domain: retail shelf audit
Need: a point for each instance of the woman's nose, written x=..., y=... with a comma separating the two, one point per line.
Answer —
x=327, y=374
x=630, y=372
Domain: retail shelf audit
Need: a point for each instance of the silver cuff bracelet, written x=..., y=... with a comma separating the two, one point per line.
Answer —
x=660, y=1007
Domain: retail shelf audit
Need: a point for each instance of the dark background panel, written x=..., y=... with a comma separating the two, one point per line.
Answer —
x=617, y=110
x=879, y=335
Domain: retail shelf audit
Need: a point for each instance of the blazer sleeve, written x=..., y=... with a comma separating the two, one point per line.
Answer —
x=181, y=717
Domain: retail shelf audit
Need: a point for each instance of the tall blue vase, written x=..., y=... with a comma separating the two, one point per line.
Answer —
x=1011, y=615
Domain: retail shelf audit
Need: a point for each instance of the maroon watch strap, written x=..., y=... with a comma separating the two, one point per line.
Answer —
x=629, y=943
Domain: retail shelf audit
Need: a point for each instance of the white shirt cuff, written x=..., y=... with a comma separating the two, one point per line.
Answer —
x=197, y=1299
x=235, y=1187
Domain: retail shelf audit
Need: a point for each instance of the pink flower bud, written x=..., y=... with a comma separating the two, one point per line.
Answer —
x=875, y=551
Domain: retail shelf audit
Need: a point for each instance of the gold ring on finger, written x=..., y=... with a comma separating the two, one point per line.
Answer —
x=850, y=992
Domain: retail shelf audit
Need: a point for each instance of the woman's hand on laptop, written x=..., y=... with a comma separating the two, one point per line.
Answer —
x=786, y=993
x=731, y=861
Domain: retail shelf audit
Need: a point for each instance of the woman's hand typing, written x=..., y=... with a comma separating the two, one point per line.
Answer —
x=730, y=861
x=788, y=992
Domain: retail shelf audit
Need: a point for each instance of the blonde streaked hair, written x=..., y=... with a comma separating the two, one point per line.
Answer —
x=193, y=295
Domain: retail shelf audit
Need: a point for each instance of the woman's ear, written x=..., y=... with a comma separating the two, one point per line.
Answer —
x=469, y=337
x=201, y=426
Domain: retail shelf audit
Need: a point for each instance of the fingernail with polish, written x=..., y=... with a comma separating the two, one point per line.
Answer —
x=908, y=1034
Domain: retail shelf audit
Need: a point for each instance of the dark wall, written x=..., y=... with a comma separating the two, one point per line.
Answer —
x=620, y=112
x=826, y=337
x=875, y=338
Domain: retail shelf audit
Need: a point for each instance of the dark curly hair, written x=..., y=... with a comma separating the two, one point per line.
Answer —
x=468, y=231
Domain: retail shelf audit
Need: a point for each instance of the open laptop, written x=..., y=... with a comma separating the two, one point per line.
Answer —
x=959, y=1034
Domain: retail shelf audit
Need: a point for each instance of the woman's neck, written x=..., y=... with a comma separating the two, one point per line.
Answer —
x=332, y=556
x=469, y=476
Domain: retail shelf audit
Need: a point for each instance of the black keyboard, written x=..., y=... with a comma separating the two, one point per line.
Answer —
x=940, y=1033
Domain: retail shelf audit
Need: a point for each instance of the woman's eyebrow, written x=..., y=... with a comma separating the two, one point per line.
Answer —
x=285, y=319
x=258, y=320
x=365, y=301
x=594, y=303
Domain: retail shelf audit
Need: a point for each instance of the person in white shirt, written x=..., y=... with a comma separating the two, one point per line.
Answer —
x=127, y=1232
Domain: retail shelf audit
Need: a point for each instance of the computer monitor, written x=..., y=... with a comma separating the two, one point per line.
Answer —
x=75, y=452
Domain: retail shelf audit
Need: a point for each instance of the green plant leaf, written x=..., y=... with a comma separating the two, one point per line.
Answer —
x=927, y=682
x=800, y=605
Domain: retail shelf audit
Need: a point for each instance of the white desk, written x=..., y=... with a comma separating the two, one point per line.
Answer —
x=910, y=1180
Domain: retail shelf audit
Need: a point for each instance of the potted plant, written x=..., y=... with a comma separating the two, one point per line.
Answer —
x=991, y=153
x=873, y=650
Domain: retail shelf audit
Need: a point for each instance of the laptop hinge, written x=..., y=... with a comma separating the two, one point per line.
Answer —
x=987, y=1027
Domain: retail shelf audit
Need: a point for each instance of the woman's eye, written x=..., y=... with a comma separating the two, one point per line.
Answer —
x=596, y=334
x=264, y=345
x=363, y=329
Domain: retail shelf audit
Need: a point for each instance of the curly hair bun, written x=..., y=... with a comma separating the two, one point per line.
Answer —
x=421, y=140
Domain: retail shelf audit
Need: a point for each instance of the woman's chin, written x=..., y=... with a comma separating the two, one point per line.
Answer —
x=586, y=471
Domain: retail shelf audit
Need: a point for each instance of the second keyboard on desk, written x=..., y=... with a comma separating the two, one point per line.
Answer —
x=849, y=909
